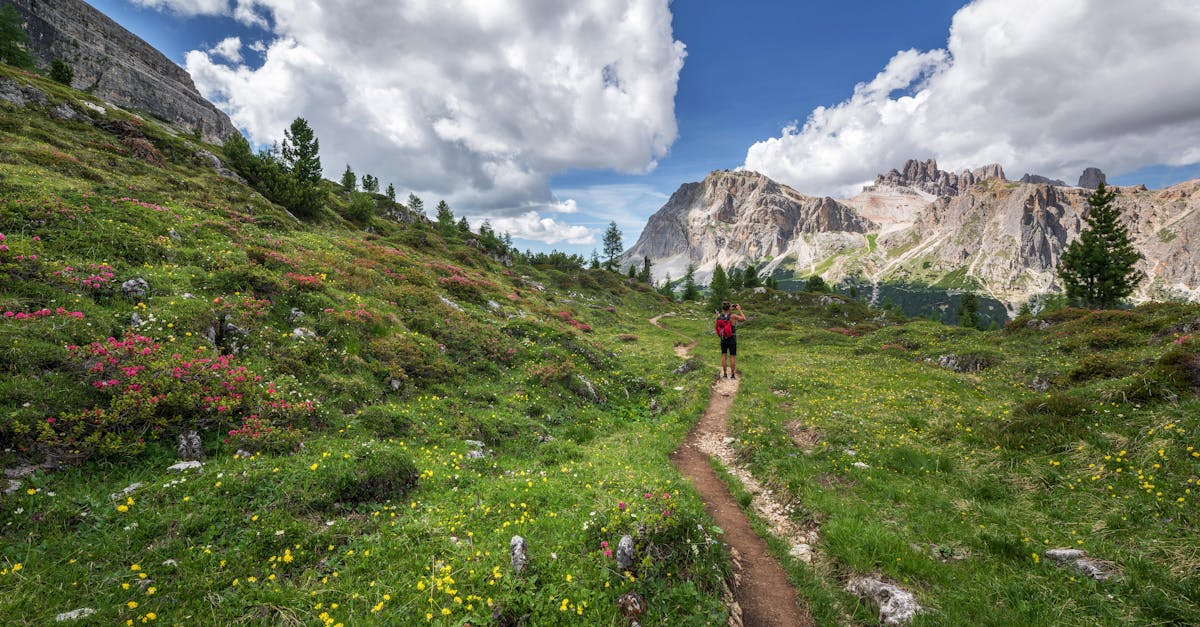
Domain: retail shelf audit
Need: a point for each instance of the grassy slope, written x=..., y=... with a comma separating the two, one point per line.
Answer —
x=980, y=467
x=328, y=534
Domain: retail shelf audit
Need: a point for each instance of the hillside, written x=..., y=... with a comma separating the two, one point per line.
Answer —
x=403, y=398
x=383, y=404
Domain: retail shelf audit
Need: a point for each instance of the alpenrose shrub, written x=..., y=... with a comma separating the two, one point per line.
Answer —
x=148, y=392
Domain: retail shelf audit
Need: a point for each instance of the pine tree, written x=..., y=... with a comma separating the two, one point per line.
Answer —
x=736, y=279
x=61, y=72
x=349, y=180
x=14, y=43
x=464, y=227
x=665, y=289
x=415, y=204
x=391, y=192
x=632, y=271
x=644, y=276
x=968, y=311
x=1098, y=269
x=301, y=153
x=690, y=291
x=719, y=287
x=612, y=245
x=370, y=183
x=445, y=217
x=750, y=278
x=595, y=265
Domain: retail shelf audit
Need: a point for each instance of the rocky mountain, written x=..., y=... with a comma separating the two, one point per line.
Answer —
x=116, y=65
x=734, y=216
x=926, y=177
x=1038, y=178
x=1091, y=178
x=922, y=226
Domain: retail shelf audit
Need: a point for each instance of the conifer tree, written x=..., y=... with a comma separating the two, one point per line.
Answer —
x=1098, y=269
x=445, y=217
x=391, y=192
x=370, y=183
x=750, y=277
x=690, y=291
x=349, y=180
x=612, y=245
x=301, y=153
x=464, y=227
x=60, y=72
x=632, y=271
x=415, y=204
x=595, y=260
x=666, y=289
x=644, y=276
x=719, y=287
x=968, y=311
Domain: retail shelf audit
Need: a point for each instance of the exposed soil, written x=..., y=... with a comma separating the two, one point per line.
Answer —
x=762, y=593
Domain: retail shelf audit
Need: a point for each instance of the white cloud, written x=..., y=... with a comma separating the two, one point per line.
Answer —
x=532, y=226
x=258, y=46
x=475, y=101
x=230, y=48
x=186, y=7
x=1047, y=87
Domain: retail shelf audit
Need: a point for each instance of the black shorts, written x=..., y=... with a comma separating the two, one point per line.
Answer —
x=729, y=345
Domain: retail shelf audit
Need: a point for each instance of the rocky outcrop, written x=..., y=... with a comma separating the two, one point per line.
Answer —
x=1038, y=179
x=731, y=217
x=1091, y=178
x=118, y=66
x=925, y=176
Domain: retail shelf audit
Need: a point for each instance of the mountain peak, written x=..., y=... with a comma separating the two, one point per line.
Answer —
x=926, y=177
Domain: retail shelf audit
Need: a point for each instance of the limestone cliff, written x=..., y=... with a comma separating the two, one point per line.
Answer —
x=732, y=217
x=117, y=65
x=979, y=231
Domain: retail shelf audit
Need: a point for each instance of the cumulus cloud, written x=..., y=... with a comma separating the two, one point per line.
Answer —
x=1046, y=87
x=186, y=7
x=230, y=49
x=532, y=226
x=475, y=101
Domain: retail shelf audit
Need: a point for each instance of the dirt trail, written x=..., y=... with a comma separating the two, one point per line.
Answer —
x=762, y=593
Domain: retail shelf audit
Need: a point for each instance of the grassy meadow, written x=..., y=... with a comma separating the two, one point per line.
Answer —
x=407, y=400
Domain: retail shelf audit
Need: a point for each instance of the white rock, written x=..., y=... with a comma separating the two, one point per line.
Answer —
x=82, y=612
x=861, y=465
x=897, y=606
x=126, y=492
x=182, y=466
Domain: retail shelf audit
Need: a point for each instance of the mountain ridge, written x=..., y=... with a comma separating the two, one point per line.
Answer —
x=922, y=225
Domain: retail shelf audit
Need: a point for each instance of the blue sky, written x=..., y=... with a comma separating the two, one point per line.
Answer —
x=818, y=95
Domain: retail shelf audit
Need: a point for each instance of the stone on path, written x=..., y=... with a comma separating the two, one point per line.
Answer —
x=897, y=606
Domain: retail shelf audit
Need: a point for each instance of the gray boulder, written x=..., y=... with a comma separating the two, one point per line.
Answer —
x=517, y=553
x=136, y=287
x=625, y=553
x=897, y=606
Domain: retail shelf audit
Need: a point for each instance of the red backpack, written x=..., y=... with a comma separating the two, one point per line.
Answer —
x=724, y=327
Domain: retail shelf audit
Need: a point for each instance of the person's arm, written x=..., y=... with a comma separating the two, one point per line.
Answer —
x=740, y=315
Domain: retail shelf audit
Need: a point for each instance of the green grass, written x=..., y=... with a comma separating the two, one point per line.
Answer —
x=982, y=463
x=420, y=342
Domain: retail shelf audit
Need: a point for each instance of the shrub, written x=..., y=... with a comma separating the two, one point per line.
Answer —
x=144, y=392
x=1176, y=373
x=259, y=435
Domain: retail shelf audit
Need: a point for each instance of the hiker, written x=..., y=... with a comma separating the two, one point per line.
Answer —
x=726, y=329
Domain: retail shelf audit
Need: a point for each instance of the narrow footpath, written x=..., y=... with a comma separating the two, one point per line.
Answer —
x=762, y=593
